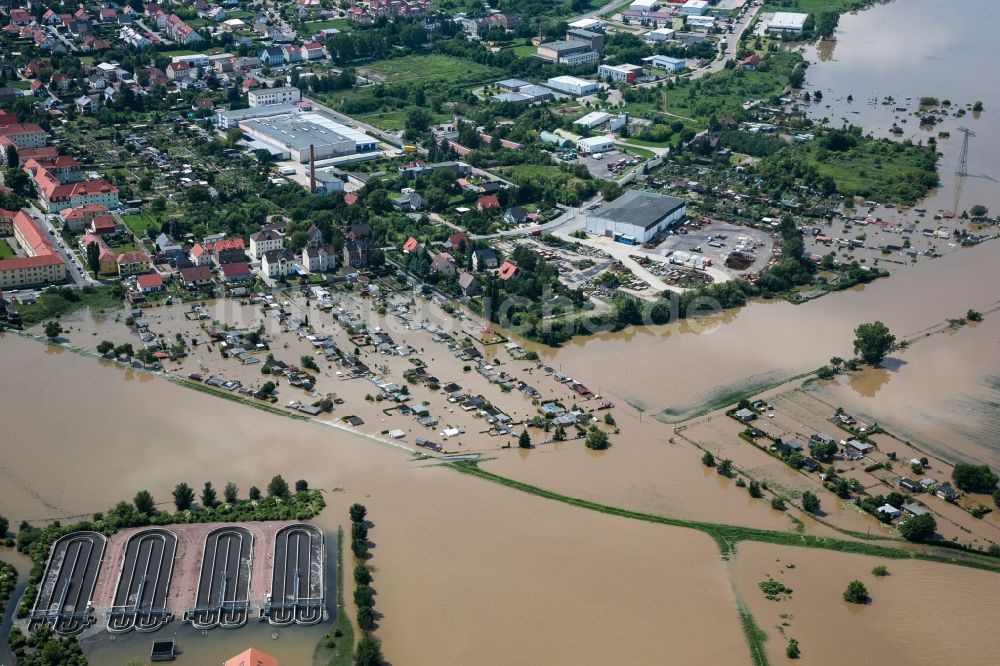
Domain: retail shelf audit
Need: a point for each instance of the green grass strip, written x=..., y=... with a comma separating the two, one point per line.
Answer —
x=755, y=637
x=727, y=536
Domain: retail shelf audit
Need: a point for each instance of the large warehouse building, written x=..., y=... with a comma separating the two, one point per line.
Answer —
x=293, y=133
x=636, y=216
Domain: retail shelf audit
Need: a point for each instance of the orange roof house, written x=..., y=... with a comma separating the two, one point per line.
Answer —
x=251, y=657
x=507, y=270
x=410, y=245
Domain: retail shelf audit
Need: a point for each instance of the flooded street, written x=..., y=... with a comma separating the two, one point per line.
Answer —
x=533, y=574
x=907, y=50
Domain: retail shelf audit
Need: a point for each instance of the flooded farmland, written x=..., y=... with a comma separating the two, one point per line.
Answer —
x=533, y=574
x=921, y=613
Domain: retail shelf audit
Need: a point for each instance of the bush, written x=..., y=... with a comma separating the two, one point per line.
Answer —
x=974, y=478
x=792, y=649
x=597, y=439
x=777, y=504
x=368, y=652
x=754, y=489
x=810, y=502
x=278, y=487
x=856, y=593
x=880, y=571
x=301, y=485
x=708, y=460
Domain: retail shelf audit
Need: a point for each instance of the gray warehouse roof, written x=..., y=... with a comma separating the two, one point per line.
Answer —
x=643, y=209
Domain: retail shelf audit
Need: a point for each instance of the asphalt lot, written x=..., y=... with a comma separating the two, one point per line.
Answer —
x=297, y=578
x=708, y=237
x=68, y=583
x=224, y=582
x=140, y=600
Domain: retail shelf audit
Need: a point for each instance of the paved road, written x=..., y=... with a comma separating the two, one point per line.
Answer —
x=72, y=263
x=568, y=221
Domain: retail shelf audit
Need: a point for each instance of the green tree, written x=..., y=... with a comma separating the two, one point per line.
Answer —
x=754, y=489
x=144, y=503
x=974, y=478
x=708, y=460
x=254, y=493
x=524, y=440
x=872, y=342
x=996, y=497
x=4, y=526
x=105, y=346
x=856, y=592
x=609, y=419
x=52, y=329
x=278, y=487
x=94, y=257
x=777, y=504
x=357, y=512
x=230, y=493
x=125, y=350
x=559, y=435
x=792, y=649
x=209, y=497
x=810, y=502
x=183, y=496
x=366, y=618
x=597, y=439
x=368, y=652
x=918, y=528
x=725, y=468
x=362, y=575
x=301, y=485
x=364, y=595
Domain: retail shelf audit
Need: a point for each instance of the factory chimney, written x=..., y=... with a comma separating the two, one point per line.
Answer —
x=312, y=169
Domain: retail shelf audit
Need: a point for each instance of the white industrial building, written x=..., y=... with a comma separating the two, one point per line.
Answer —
x=643, y=5
x=666, y=62
x=293, y=133
x=700, y=22
x=593, y=119
x=620, y=73
x=572, y=85
x=268, y=96
x=791, y=22
x=659, y=35
x=694, y=7
x=588, y=24
x=636, y=216
x=596, y=144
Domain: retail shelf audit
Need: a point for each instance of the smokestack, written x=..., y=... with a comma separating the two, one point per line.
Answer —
x=312, y=169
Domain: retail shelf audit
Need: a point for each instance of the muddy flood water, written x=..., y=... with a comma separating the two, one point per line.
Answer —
x=908, y=49
x=921, y=613
x=466, y=571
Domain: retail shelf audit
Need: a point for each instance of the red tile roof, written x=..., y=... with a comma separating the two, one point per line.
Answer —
x=149, y=280
x=224, y=244
x=30, y=262
x=236, y=269
x=507, y=270
x=410, y=245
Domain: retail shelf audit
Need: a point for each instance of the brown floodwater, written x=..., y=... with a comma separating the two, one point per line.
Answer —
x=943, y=393
x=910, y=49
x=673, y=370
x=466, y=571
x=921, y=613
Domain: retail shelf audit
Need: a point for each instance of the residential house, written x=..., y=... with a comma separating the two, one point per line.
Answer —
x=745, y=415
x=196, y=276
x=149, y=283
x=313, y=51
x=238, y=271
x=750, y=63
x=200, y=255
x=228, y=251
x=410, y=245
x=489, y=202
x=276, y=264
x=909, y=485
x=82, y=216
x=408, y=201
x=947, y=492
x=359, y=231
x=444, y=263
x=507, y=270
x=485, y=259
x=132, y=263
x=469, y=285
x=271, y=56
x=855, y=449
x=291, y=53
x=319, y=259
x=458, y=241
x=357, y=253
x=515, y=215
x=264, y=240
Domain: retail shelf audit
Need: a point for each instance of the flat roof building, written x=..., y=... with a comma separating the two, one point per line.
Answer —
x=295, y=132
x=593, y=119
x=636, y=216
x=620, y=73
x=572, y=85
x=791, y=22
x=266, y=96
x=694, y=7
x=595, y=144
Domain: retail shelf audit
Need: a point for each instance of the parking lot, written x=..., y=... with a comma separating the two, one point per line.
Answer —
x=64, y=595
x=140, y=600
x=716, y=240
x=604, y=164
x=297, y=578
x=224, y=583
